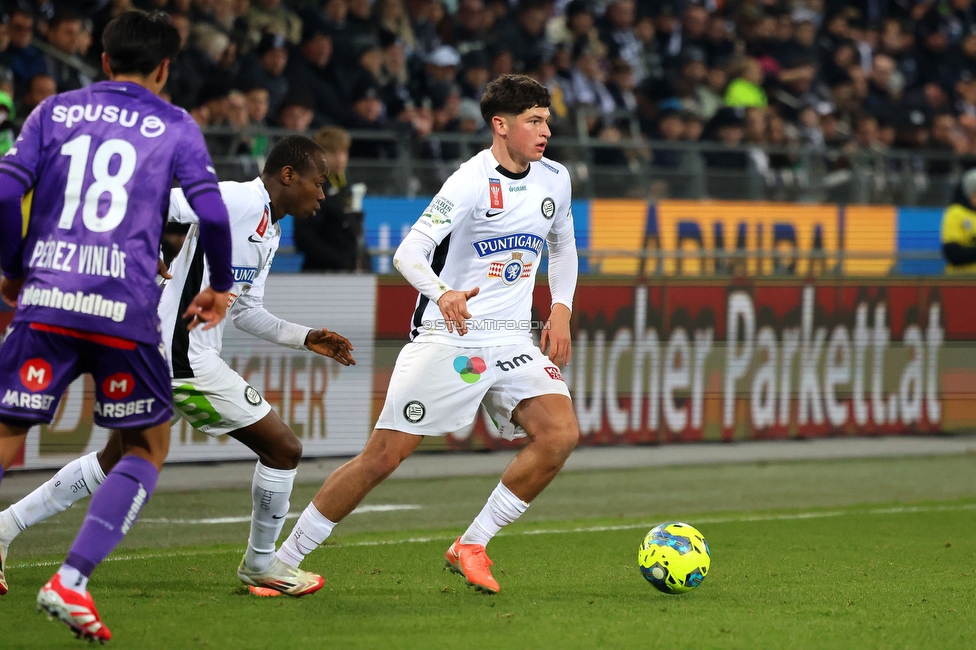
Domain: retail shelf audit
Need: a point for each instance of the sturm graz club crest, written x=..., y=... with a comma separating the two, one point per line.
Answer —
x=414, y=411
x=548, y=208
x=252, y=396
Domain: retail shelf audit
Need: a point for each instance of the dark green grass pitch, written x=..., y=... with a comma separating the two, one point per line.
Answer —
x=852, y=563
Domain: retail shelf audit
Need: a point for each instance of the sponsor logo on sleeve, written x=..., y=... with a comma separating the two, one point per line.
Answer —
x=548, y=166
x=495, y=193
x=36, y=374
x=263, y=225
x=548, y=208
x=438, y=212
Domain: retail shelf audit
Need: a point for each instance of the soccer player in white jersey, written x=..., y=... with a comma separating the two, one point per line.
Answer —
x=211, y=396
x=473, y=256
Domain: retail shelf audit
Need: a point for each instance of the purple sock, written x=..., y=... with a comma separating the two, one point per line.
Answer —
x=114, y=509
x=1, y=472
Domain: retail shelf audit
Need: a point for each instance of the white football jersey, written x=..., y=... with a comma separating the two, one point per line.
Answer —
x=255, y=240
x=490, y=226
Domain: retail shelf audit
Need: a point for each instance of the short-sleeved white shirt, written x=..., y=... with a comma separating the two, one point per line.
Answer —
x=490, y=227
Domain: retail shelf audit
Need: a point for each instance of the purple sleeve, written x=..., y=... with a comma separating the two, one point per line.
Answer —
x=215, y=238
x=195, y=172
x=11, y=225
x=18, y=173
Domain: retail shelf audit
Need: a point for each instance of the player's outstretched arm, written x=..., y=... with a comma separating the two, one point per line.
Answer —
x=556, y=334
x=209, y=306
x=330, y=344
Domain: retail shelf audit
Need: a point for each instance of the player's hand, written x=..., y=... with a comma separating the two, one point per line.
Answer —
x=556, y=334
x=208, y=307
x=162, y=270
x=10, y=289
x=454, y=308
x=330, y=344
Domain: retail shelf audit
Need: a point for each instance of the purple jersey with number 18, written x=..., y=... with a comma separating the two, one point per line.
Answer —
x=101, y=161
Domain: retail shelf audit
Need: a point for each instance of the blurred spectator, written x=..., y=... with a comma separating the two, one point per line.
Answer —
x=392, y=16
x=475, y=73
x=440, y=70
x=296, y=112
x=39, y=88
x=576, y=25
x=867, y=134
x=726, y=128
x=21, y=56
x=621, y=86
x=469, y=116
x=423, y=26
x=719, y=48
x=959, y=227
x=393, y=75
x=671, y=128
x=745, y=89
x=310, y=70
x=257, y=105
x=617, y=31
x=334, y=239
x=882, y=99
x=711, y=95
x=693, y=29
x=524, y=35
x=190, y=69
x=63, y=33
x=694, y=127
x=271, y=16
x=651, y=58
x=212, y=102
x=468, y=27
x=265, y=67
x=589, y=87
x=811, y=134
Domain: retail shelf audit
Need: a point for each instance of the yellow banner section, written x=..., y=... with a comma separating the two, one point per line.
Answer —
x=741, y=238
x=617, y=225
x=870, y=239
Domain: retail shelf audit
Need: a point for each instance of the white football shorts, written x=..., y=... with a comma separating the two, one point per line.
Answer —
x=218, y=401
x=436, y=388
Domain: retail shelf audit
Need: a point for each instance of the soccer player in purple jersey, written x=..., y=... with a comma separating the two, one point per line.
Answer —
x=101, y=162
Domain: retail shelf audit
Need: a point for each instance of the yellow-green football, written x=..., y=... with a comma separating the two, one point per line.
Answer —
x=674, y=557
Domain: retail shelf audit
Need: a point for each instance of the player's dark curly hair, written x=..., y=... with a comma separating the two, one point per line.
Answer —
x=295, y=151
x=511, y=94
x=137, y=42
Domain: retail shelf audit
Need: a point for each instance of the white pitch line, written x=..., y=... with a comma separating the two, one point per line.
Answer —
x=899, y=510
x=382, y=507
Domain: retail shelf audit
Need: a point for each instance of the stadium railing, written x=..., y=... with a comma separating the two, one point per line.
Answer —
x=405, y=166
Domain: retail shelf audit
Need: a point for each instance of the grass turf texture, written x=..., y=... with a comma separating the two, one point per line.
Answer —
x=838, y=554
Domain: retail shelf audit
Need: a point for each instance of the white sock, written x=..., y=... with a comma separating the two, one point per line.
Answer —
x=502, y=508
x=311, y=530
x=75, y=481
x=270, y=490
x=73, y=579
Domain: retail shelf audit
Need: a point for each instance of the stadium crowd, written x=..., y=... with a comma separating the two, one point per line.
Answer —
x=867, y=75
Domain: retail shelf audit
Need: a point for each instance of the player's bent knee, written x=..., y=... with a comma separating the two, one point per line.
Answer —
x=290, y=452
